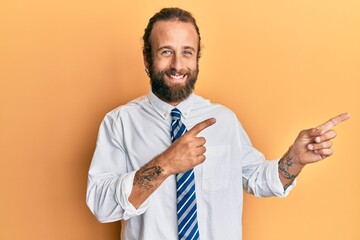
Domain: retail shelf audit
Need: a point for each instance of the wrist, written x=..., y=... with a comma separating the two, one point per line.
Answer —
x=163, y=163
x=295, y=158
x=289, y=167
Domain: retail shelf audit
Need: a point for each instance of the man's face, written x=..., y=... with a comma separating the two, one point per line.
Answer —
x=174, y=65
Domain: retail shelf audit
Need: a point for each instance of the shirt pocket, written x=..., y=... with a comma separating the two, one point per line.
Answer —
x=216, y=168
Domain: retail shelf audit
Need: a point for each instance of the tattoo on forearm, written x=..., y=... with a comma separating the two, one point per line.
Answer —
x=143, y=178
x=285, y=164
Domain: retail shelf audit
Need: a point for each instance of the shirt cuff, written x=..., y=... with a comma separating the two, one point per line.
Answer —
x=123, y=192
x=275, y=184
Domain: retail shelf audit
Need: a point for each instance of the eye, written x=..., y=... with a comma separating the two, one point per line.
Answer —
x=187, y=53
x=166, y=52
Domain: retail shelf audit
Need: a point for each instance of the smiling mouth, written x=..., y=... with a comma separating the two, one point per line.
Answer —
x=177, y=78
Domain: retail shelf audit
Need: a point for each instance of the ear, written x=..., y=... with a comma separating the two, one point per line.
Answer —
x=146, y=60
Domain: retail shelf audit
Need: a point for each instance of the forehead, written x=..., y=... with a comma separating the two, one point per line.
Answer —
x=174, y=33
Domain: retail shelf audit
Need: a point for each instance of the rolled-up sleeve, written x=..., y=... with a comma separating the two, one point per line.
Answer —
x=272, y=176
x=109, y=180
x=260, y=176
x=122, y=194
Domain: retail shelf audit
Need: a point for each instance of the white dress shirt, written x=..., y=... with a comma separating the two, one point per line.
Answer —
x=133, y=134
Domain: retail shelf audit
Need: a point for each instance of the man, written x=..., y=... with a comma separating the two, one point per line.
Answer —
x=191, y=188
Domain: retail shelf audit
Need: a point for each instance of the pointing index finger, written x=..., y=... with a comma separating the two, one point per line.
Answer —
x=333, y=122
x=201, y=126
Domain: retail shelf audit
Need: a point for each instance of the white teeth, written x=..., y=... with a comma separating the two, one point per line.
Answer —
x=177, y=76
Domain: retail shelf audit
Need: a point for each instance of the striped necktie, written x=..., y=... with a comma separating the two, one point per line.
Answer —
x=185, y=184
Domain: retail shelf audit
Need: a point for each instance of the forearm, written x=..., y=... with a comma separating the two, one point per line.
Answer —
x=147, y=179
x=289, y=168
x=183, y=154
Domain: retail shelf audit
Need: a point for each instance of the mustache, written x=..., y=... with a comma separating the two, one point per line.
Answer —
x=172, y=71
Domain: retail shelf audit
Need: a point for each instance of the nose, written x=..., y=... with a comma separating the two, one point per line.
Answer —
x=177, y=62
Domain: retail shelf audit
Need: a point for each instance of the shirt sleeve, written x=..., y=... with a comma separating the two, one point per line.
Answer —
x=109, y=181
x=260, y=176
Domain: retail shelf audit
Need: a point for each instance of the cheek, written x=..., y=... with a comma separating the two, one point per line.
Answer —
x=193, y=65
x=192, y=62
x=161, y=63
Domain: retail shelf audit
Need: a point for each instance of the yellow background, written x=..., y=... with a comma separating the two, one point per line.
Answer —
x=281, y=66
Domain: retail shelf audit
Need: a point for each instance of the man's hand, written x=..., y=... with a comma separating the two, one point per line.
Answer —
x=315, y=144
x=187, y=151
x=311, y=145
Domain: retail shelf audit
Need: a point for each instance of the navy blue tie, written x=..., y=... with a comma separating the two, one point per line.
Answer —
x=185, y=183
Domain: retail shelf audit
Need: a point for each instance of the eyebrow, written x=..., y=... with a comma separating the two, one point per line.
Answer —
x=189, y=47
x=164, y=47
x=170, y=47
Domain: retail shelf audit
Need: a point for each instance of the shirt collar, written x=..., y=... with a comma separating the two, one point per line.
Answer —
x=164, y=109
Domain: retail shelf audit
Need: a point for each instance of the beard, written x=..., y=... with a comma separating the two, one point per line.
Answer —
x=176, y=92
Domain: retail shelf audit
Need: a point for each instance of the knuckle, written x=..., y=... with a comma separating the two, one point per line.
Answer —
x=202, y=158
x=303, y=132
x=326, y=144
x=317, y=146
x=203, y=149
x=334, y=121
